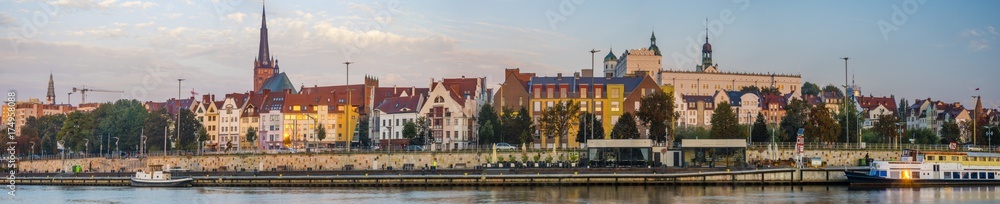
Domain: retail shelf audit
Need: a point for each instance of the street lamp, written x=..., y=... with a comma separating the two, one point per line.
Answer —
x=347, y=110
x=177, y=104
x=592, y=105
x=32, y=150
x=116, y=147
x=989, y=136
x=847, y=118
x=86, y=146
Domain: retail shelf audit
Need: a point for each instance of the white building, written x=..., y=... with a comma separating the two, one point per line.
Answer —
x=392, y=115
x=451, y=107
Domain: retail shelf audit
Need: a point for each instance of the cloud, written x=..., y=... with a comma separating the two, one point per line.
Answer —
x=237, y=17
x=980, y=39
x=144, y=25
x=138, y=4
x=84, y=5
x=100, y=33
x=6, y=20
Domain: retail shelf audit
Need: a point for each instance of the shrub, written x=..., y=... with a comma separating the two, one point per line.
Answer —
x=524, y=158
x=548, y=158
x=538, y=157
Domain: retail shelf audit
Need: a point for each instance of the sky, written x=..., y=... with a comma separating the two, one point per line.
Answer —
x=913, y=49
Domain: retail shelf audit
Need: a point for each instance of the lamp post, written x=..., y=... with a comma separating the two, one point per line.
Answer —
x=32, y=150
x=592, y=105
x=116, y=147
x=847, y=118
x=989, y=136
x=86, y=146
x=347, y=110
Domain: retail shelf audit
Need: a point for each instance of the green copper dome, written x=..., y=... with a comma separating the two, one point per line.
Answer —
x=610, y=57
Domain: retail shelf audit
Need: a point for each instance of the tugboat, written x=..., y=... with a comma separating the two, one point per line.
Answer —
x=156, y=177
x=922, y=169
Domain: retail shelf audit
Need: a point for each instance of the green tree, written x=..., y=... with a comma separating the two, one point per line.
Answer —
x=589, y=121
x=759, y=133
x=320, y=132
x=795, y=117
x=486, y=133
x=750, y=89
x=362, y=131
x=809, y=88
x=832, y=88
x=724, y=123
x=853, y=118
x=887, y=126
x=950, y=132
x=625, y=127
x=524, y=125
x=488, y=115
x=158, y=124
x=252, y=136
x=692, y=133
x=556, y=120
x=770, y=91
x=657, y=112
x=924, y=136
x=76, y=131
x=820, y=126
x=124, y=119
x=189, y=127
x=201, y=137
x=410, y=132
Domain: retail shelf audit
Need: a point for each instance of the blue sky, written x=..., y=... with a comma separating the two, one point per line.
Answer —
x=911, y=49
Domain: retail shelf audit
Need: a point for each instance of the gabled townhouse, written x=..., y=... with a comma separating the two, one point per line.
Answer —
x=873, y=107
x=697, y=110
x=250, y=118
x=303, y=113
x=392, y=114
x=745, y=105
x=514, y=91
x=272, y=121
x=773, y=108
x=451, y=107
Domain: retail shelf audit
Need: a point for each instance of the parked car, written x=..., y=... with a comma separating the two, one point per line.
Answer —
x=970, y=147
x=414, y=148
x=505, y=146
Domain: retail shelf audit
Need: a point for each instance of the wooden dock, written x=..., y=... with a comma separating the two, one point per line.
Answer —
x=785, y=176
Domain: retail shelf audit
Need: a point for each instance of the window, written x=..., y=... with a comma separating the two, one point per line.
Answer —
x=598, y=106
x=614, y=93
x=549, y=92
x=562, y=92
x=538, y=92
x=598, y=93
x=637, y=105
x=615, y=106
x=583, y=92
x=583, y=106
x=549, y=104
x=537, y=106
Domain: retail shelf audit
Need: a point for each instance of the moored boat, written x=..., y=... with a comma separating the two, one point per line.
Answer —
x=921, y=169
x=156, y=177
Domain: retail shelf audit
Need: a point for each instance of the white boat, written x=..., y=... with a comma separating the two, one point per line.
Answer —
x=931, y=169
x=156, y=177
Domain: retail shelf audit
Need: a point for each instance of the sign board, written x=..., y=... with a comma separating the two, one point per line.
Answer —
x=800, y=147
x=953, y=146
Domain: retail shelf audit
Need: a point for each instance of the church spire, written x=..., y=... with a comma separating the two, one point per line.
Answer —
x=50, y=97
x=264, y=55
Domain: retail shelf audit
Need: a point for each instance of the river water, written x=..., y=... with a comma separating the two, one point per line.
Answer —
x=540, y=194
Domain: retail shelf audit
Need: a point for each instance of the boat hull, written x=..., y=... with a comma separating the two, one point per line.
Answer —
x=860, y=179
x=184, y=182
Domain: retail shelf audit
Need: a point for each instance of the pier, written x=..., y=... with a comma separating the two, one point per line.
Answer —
x=781, y=176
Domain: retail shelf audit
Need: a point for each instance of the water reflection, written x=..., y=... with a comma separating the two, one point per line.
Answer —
x=538, y=194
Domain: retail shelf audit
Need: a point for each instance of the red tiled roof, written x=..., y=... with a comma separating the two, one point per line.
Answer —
x=871, y=102
x=410, y=104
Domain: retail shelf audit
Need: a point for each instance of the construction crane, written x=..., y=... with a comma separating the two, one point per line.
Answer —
x=84, y=90
x=68, y=97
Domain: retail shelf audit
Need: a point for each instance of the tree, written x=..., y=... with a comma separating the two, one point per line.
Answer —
x=770, y=91
x=556, y=120
x=795, y=118
x=925, y=136
x=76, y=131
x=657, y=113
x=692, y=133
x=585, y=133
x=410, y=133
x=750, y=89
x=625, y=127
x=887, y=126
x=320, y=132
x=486, y=133
x=158, y=124
x=832, y=88
x=524, y=125
x=821, y=127
x=488, y=115
x=724, y=122
x=853, y=118
x=189, y=132
x=809, y=88
x=759, y=133
x=202, y=136
x=950, y=132
x=124, y=119
x=252, y=136
x=363, y=138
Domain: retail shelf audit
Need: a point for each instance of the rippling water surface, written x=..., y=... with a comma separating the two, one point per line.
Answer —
x=543, y=194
